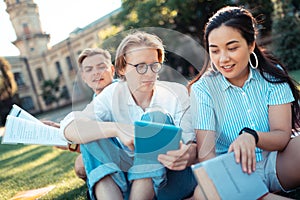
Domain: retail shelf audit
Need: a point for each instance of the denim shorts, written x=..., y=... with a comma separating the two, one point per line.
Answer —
x=267, y=171
x=108, y=157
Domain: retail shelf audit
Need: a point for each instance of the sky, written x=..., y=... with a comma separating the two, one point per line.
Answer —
x=58, y=18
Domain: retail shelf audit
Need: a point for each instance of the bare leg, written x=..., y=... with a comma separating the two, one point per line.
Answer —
x=198, y=194
x=287, y=165
x=142, y=189
x=271, y=196
x=106, y=188
x=79, y=168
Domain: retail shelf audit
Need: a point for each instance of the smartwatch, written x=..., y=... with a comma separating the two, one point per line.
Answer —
x=250, y=131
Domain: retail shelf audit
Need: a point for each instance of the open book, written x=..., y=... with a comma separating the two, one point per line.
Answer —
x=223, y=178
x=22, y=127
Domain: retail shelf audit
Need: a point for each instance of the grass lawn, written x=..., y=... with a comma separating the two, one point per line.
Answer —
x=27, y=167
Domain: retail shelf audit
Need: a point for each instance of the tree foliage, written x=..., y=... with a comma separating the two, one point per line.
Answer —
x=187, y=17
x=8, y=89
x=51, y=91
x=262, y=10
x=8, y=85
x=286, y=31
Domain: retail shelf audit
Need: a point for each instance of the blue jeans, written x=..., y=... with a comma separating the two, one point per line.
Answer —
x=107, y=157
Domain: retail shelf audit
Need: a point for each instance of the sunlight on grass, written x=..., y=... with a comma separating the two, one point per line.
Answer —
x=31, y=165
x=27, y=167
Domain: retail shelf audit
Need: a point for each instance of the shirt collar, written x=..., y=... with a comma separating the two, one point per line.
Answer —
x=131, y=101
x=253, y=75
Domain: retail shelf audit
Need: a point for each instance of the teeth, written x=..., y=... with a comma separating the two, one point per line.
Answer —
x=227, y=67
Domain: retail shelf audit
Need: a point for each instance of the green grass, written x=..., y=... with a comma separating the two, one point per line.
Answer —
x=27, y=167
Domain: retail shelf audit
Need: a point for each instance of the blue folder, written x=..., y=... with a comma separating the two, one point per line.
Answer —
x=228, y=179
x=152, y=139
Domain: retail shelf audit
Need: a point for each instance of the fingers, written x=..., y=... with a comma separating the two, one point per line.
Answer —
x=172, y=163
x=244, y=151
x=51, y=123
x=130, y=144
x=175, y=160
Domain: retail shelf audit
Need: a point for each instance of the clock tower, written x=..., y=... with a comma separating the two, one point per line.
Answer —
x=24, y=15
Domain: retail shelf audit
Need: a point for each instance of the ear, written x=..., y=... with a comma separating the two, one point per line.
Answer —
x=252, y=47
x=113, y=70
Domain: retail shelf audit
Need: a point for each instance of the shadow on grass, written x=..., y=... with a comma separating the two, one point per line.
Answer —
x=30, y=155
x=9, y=147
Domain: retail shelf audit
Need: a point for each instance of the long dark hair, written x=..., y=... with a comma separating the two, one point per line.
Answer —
x=243, y=21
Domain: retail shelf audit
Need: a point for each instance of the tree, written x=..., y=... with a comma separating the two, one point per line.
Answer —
x=262, y=10
x=51, y=91
x=8, y=89
x=285, y=33
x=187, y=17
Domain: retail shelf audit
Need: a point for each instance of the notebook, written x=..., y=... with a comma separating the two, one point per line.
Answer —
x=223, y=178
x=152, y=139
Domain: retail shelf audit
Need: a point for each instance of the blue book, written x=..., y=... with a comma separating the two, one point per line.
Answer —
x=223, y=178
x=152, y=139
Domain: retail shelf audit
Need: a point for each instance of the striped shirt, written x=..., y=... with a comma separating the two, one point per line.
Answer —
x=219, y=106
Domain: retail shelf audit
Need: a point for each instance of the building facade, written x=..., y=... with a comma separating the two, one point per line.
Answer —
x=39, y=62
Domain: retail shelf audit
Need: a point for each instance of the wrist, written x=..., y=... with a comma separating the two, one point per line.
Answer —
x=251, y=132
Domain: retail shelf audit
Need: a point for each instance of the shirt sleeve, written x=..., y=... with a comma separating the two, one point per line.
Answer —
x=203, y=117
x=280, y=94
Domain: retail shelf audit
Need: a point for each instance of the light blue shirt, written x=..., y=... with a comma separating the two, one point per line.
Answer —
x=219, y=106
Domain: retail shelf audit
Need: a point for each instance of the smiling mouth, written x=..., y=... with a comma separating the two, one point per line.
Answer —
x=227, y=66
x=96, y=80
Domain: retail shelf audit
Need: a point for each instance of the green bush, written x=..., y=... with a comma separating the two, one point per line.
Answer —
x=286, y=40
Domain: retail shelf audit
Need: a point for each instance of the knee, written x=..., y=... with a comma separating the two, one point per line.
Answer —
x=79, y=168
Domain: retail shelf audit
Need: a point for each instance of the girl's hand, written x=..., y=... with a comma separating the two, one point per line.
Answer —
x=244, y=151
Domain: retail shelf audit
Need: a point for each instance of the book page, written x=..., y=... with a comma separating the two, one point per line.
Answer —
x=18, y=130
x=19, y=112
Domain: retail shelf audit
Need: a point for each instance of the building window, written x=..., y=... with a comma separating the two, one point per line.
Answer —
x=69, y=63
x=58, y=68
x=26, y=29
x=19, y=79
x=27, y=103
x=39, y=74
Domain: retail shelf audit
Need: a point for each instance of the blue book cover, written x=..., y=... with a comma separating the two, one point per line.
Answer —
x=152, y=139
x=228, y=179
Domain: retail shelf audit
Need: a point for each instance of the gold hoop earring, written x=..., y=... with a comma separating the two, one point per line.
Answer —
x=213, y=67
x=256, y=61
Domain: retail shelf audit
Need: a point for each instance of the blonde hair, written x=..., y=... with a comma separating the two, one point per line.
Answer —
x=137, y=39
x=91, y=52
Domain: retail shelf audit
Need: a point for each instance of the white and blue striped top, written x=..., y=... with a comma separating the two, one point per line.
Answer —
x=219, y=106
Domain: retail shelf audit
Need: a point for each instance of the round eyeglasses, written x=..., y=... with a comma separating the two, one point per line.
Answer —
x=142, y=68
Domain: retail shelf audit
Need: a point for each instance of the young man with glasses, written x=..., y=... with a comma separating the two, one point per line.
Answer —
x=107, y=145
